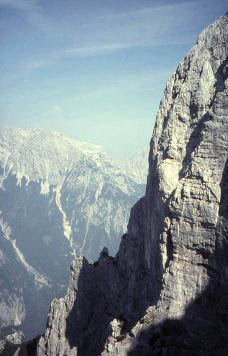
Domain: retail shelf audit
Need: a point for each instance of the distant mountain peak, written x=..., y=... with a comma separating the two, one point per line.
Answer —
x=58, y=198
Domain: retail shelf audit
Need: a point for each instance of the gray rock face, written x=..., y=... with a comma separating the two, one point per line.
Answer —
x=166, y=291
x=58, y=198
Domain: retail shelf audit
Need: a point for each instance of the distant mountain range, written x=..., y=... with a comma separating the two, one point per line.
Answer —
x=58, y=198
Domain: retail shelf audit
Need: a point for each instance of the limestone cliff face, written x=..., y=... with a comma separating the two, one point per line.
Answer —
x=166, y=290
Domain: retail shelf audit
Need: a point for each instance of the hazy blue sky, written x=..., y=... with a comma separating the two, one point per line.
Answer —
x=94, y=70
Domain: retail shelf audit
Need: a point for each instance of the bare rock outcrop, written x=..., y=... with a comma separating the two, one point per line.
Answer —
x=166, y=291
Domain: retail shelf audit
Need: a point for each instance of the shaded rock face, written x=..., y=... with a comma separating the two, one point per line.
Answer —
x=166, y=291
x=58, y=198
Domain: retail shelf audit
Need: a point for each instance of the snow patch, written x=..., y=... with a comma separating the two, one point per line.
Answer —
x=66, y=225
x=44, y=187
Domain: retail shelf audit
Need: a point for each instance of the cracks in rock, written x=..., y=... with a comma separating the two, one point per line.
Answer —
x=223, y=211
x=209, y=268
x=221, y=76
x=194, y=142
x=169, y=249
x=222, y=222
x=194, y=109
x=207, y=225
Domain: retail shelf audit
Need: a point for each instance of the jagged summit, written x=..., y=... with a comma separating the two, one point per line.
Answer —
x=47, y=135
x=37, y=153
x=40, y=154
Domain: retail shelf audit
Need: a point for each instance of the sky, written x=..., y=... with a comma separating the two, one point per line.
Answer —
x=94, y=70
